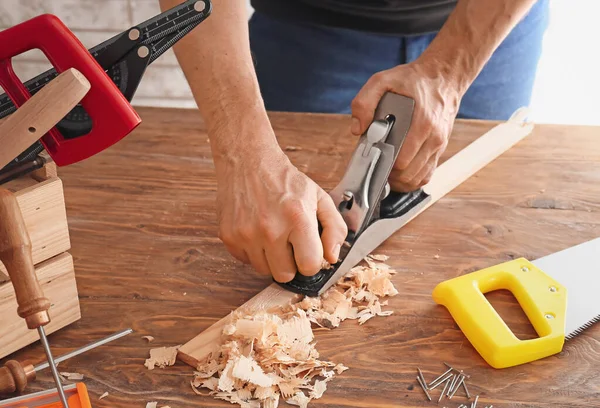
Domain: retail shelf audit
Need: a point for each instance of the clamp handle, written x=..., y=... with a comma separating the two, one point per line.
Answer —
x=112, y=115
x=543, y=300
x=15, y=254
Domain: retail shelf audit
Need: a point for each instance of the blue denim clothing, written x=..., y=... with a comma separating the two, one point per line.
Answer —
x=310, y=68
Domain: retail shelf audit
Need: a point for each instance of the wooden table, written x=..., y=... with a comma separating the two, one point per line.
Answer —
x=144, y=240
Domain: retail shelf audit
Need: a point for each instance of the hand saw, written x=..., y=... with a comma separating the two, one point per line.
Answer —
x=558, y=293
x=363, y=196
x=124, y=58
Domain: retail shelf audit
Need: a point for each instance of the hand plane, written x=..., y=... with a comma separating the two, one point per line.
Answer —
x=363, y=196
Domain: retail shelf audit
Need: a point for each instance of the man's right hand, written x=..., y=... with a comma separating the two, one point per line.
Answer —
x=268, y=213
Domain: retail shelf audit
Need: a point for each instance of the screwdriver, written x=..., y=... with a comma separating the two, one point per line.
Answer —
x=14, y=376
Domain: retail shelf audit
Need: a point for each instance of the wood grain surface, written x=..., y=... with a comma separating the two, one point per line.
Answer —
x=144, y=242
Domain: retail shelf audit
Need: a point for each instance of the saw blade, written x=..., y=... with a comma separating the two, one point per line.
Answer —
x=578, y=269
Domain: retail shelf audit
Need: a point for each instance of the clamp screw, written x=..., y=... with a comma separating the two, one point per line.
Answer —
x=553, y=289
x=525, y=269
x=549, y=316
x=199, y=6
x=134, y=34
x=143, y=51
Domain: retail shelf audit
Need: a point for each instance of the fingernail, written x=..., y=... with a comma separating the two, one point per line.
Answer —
x=336, y=252
x=355, y=126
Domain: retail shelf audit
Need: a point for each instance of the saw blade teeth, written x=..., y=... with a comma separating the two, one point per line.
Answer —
x=582, y=328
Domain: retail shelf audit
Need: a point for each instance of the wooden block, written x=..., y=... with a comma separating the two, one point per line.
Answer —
x=43, y=207
x=209, y=340
x=57, y=278
x=447, y=177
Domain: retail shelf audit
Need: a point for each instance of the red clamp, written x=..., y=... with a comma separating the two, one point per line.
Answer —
x=112, y=115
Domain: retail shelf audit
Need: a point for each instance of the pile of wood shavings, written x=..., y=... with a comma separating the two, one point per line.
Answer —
x=271, y=354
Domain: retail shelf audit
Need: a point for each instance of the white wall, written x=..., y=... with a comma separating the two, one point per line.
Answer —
x=567, y=89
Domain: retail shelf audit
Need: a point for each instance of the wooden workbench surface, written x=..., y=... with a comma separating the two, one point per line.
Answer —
x=144, y=240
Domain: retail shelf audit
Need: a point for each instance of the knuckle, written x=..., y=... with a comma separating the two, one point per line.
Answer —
x=267, y=228
x=358, y=104
x=438, y=140
x=405, y=179
x=270, y=234
x=296, y=212
x=379, y=78
x=401, y=163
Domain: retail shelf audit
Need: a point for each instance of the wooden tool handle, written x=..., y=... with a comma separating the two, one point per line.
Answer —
x=14, y=377
x=15, y=254
x=41, y=113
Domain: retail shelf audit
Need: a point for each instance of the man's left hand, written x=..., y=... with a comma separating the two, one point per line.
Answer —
x=436, y=104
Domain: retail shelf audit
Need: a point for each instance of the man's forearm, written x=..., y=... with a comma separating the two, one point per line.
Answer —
x=215, y=58
x=470, y=36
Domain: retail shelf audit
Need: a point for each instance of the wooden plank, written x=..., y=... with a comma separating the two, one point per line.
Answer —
x=44, y=212
x=40, y=113
x=447, y=177
x=203, y=344
x=57, y=278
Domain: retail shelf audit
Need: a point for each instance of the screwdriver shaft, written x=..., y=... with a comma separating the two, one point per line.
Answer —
x=59, y=387
x=84, y=349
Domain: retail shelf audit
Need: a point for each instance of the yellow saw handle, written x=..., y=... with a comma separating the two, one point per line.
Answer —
x=543, y=300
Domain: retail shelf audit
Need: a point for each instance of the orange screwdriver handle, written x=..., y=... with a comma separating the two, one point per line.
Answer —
x=15, y=254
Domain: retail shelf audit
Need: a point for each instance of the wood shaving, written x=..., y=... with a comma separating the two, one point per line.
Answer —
x=71, y=376
x=292, y=148
x=162, y=357
x=149, y=338
x=271, y=355
x=103, y=395
x=152, y=404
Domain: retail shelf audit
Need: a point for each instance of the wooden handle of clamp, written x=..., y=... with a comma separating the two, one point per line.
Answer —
x=15, y=254
x=41, y=113
x=14, y=377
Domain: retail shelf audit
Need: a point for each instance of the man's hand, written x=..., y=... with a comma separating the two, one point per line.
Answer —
x=436, y=106
x=437, y=80
x=268, y=213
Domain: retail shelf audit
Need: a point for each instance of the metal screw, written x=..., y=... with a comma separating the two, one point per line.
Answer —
x=443, y=380
x=134, y=34
x=440, y=377
x=549, y=316
x=423, y=387
x=457, y=386
x=553, y=289
x=464, y=384
x=348, y=195
x=525, y=269
x=199, y=6
x=143, y=52
x=422, y=377
x=444, y=391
